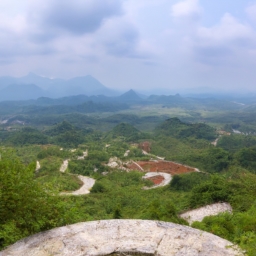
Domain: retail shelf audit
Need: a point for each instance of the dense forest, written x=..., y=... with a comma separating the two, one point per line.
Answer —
x=220, y=143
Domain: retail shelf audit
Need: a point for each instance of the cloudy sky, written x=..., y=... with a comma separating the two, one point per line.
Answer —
x=136, y=44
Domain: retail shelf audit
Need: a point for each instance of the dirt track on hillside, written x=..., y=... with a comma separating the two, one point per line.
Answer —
x=87, y=182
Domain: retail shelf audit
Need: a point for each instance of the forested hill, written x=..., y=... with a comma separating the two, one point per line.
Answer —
x=175, y=128
x=227, y=173
x=127, y=132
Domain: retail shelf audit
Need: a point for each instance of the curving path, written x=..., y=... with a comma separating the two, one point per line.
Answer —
x=85, y=189
x=167, y=179
x=38, y=166
x=215, y=142
x=64, y=166
x=87, y=182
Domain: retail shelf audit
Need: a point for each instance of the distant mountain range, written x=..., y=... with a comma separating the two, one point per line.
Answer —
x=87, y=88
x=100, y=103
x=33, y=86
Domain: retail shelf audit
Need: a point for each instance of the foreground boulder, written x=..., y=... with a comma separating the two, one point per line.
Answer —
x=107, y=236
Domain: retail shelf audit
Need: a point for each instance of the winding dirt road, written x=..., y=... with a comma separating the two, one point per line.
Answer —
x=166, y=179
x=85, y=189
x=87, y=182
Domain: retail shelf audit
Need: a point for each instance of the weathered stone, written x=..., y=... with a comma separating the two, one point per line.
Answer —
x=108, y=236
x=208, y=210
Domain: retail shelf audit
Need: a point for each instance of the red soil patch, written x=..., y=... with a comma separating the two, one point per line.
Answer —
x=146, y=146
x=161, y=166
x=156, y=179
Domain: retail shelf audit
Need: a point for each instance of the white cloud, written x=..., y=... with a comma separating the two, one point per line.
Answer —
x=76, y=17
x=251, y=12
x=188, y=9
x=120, y=38
x=229, y=30
x=222, y=43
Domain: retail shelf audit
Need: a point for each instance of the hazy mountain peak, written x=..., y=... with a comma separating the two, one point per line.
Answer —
x=31, y=74
x=130, y=95
x=86, y=85
x=21, y=92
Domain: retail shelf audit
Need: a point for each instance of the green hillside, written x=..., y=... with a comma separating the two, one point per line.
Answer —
x=178, y=129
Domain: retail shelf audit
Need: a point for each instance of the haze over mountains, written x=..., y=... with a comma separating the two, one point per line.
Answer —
x=33, y=86
x=88, y=88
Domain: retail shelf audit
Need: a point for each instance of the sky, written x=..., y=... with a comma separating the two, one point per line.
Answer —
x=139, y=44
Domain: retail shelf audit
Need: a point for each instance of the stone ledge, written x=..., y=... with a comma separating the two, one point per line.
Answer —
x=107, y=236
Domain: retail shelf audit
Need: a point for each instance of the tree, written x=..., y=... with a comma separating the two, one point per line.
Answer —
x=25, y=206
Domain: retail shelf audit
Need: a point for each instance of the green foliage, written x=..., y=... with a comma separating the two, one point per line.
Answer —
x=236, y=142
x=52, y=151
x=242, y=185
x=87, y=168
x=117, y=214
x=116, y=148
x=212, y=191
x=61, y=128
x=120, y=194
x=221, y=226
x=136, y=153
x=69, y=139
x=25, y=206
x=98, y=188
x=97, y=155
x=28, y=136
x=66, y=135
x=246, y=157
x=127, y=132
x=166, y=211
x=49, y=174
x=86, y=107
x=212, y=160
x=186, y=182
x=49, y=165
x=175, y=128
x=215, y=160
x=61, y=181
x=237, y=227
x=28, y=154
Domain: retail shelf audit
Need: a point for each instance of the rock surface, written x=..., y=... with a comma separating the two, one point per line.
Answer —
x=208, y=210
x=107, y=236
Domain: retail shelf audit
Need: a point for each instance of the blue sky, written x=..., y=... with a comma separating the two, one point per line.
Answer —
x=140, y=44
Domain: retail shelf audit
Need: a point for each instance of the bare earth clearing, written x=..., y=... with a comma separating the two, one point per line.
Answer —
x=161, y=166
x=160, y=179
x=160, y=171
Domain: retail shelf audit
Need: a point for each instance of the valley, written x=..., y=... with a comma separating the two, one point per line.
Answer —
x=146, y=162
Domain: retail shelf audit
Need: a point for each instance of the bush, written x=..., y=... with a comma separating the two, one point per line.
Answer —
x=98, y=188
x=213, y=191
x=25, y=206
x=246, y=157
x=186, y=182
